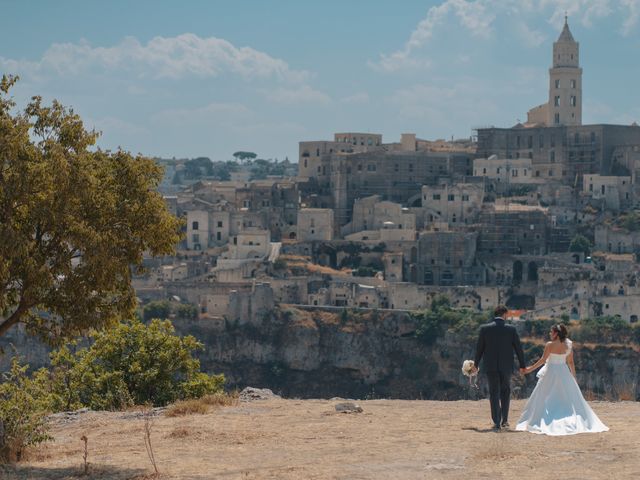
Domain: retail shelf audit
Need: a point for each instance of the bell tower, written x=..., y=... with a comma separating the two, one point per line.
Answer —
x=565, y=81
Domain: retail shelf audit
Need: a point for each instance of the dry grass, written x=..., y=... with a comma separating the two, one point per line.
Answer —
x=298, y=439
x=187, y=407
x=201, y=406
x=222, y=399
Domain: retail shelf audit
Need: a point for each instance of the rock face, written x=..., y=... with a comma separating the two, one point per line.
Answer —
x=322, y=355
x=319, y=354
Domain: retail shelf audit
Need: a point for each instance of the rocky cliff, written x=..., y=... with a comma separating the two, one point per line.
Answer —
x=318, y=354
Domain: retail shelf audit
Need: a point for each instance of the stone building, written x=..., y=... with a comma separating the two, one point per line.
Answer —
x=559, y=146
x=513, y=229
x=454, y=204
x=614, y=192
x=315, y=224
x=448, y=258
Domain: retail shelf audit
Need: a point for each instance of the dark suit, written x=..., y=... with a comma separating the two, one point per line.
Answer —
x=496, y=343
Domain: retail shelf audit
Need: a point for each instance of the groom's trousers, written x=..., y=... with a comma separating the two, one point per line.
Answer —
x=499, y=396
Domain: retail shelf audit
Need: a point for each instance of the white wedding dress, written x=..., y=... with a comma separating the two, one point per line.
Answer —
x=556, y=406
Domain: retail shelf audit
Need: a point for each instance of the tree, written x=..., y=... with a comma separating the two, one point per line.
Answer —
x=242, y=156
x=74, y=220
x=580, y=243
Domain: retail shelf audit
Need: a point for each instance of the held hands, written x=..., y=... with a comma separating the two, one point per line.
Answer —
x=524, y=371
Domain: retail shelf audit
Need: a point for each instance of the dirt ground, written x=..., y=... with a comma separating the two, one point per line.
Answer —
x=307, y=439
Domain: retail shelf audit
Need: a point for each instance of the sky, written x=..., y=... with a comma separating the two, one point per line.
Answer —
x=207, y=78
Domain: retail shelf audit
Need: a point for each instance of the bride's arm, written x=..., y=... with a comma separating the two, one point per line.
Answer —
x=572, y=365
x=540, y=362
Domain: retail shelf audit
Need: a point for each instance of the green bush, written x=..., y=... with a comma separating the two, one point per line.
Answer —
x=130, y=364
x=158, y=309
x=23, y=406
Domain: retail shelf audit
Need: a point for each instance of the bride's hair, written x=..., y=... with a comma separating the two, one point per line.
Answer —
x=561, y=330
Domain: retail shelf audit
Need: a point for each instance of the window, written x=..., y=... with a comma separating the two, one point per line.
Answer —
x=218, y=236
x=219, y=224
x=396, y=168
x=573, y=83
x=530, y=141
x=371, y=167
x=436, y=196
x=411, y=167
x=305, y=163
x=557, y=83
x=369, y=141
x=537, y=173
x=551, y=173
x=556, y=118
x=484, y=170
x=465, y=198
x=451, y=197
x=541, y=141
x=194, y=226
x=593, y=137
x=518, y=141
x=514, y=173
x=317, y=152
x=572, y=100
x=552, y=156
x=360, y=167
x=552, y=140
x=196, y=238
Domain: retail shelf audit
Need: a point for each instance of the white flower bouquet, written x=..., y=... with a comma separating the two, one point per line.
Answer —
x=469, y=370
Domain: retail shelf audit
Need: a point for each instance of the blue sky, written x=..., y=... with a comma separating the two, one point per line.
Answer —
x=191, y=78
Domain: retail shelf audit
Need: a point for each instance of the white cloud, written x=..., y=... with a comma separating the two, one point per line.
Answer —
x=479, y=18
x=632, y=17
x=297, y=95
x=356, y=98
x=472, y=15
x=530, y=37
x=161, y=57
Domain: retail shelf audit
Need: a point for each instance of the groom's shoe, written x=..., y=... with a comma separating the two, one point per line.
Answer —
x=496, y=428
x=505, y=425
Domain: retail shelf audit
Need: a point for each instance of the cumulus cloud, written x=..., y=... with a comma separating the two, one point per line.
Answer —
x=474, y=16
x=161, y=57
x=479, y=18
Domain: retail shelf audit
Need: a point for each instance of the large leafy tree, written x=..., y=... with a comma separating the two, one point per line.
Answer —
x=74, y=221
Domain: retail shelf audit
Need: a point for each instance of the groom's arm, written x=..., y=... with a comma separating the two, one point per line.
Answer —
x=479, y=348
x=517, y=346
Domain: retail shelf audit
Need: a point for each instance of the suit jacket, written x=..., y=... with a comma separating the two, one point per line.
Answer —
x=496, y=343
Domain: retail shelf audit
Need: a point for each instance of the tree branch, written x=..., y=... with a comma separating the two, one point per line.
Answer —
x=14, y=318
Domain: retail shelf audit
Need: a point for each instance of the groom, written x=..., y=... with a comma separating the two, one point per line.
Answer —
x=496, y=343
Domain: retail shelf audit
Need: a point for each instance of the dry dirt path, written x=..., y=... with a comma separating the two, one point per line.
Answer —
x=306, y=439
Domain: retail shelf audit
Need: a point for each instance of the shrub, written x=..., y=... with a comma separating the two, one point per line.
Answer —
x=130, y=364
x=159, y=309
x=23, y=405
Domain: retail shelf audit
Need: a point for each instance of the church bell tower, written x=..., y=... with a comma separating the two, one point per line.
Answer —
x=565, y=81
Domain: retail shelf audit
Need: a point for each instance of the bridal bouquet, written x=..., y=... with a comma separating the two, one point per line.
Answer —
x=469, y=370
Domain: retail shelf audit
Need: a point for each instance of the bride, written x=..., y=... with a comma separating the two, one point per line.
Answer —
x=556, y=406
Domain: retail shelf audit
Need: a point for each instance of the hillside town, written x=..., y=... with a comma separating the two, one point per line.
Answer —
x=540, y=216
